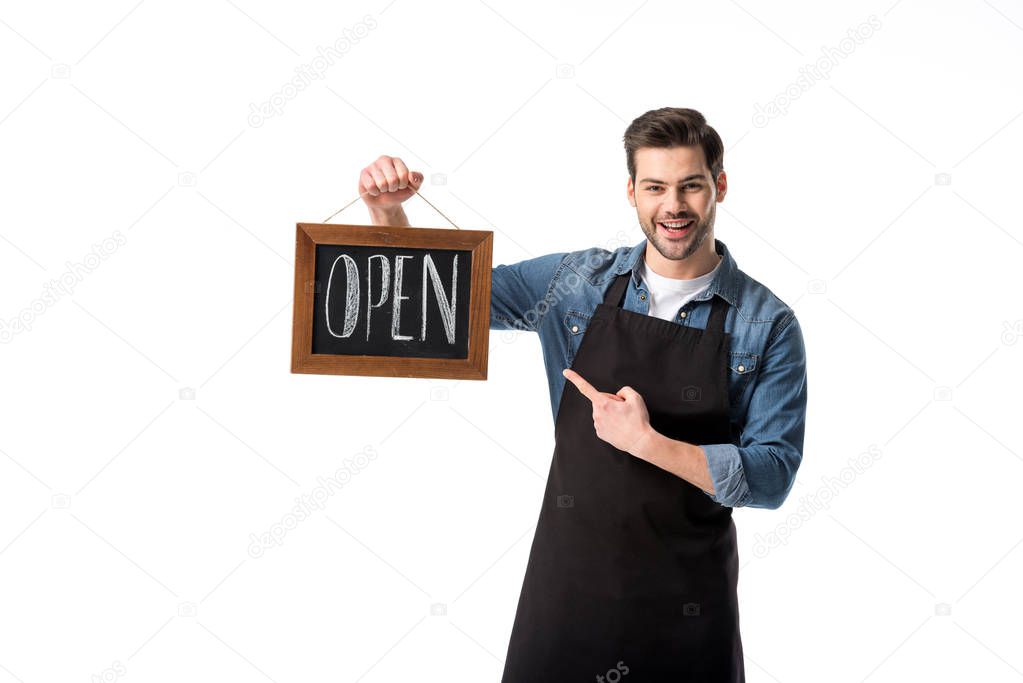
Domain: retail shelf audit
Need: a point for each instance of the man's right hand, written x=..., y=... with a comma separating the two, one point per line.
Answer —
x=386, y=183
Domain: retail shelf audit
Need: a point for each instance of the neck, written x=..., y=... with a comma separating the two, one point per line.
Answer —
x=697, y=264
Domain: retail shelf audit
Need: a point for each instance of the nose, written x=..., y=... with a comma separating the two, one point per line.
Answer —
x=673, y=204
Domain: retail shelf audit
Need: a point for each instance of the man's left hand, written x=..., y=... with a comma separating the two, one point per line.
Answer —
x=621, y=419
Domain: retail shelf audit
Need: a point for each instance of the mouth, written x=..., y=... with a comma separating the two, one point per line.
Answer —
x=675, y=229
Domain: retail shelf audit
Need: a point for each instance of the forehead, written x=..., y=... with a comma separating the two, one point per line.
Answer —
x=666, y=163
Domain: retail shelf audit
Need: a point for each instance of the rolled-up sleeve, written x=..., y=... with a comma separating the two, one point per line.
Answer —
x=519, y=291
x=761, y=470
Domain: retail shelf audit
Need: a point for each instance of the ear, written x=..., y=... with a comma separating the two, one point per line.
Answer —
x=722, y=186
x=630, y=191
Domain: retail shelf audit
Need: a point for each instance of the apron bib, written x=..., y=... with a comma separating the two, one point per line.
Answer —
x=633, y=569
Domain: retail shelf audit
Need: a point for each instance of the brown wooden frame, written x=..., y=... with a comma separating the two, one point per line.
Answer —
x=479, y=242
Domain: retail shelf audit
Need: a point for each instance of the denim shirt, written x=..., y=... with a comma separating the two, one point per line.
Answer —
x=555, y=296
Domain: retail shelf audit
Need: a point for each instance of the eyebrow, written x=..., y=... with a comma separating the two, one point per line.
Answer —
x=695, y=176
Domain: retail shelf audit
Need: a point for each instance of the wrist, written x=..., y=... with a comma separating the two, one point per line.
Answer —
x=646, y=442
x=394, y=216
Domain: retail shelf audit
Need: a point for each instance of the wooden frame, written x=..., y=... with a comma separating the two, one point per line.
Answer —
x=309, y=235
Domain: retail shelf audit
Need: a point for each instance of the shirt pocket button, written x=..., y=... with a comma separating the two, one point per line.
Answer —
x=742, y=368
x=575, y=324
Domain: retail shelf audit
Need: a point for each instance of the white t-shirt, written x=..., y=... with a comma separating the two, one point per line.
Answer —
x=667, y=295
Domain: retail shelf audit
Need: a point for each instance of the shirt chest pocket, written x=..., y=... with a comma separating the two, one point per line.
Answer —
x=575, y=326
x=741, y=368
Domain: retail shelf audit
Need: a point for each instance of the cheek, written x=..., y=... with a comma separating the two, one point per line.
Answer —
x=706, y=205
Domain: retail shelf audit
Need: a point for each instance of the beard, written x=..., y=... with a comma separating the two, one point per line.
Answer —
x=684, y=247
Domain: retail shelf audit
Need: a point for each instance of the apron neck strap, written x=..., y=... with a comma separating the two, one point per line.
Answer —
x=616, y=293
x=718, y=311
x=615, y=296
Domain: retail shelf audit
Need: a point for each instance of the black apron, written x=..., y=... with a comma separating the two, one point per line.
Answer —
x=633, y=570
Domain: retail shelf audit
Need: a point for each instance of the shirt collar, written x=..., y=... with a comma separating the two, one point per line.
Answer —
x=725, y=282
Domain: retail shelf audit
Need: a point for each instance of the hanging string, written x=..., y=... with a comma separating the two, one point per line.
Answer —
x=363, y=194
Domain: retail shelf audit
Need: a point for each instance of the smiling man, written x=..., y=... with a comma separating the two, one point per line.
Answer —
x=687, y=399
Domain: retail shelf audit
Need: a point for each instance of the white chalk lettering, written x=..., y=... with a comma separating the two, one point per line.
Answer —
x=398, y=298
x=352, y=298
x=390, y=287
x=385, y=280
x=447, y=311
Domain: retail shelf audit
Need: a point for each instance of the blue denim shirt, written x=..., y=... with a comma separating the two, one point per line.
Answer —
x=555, y=295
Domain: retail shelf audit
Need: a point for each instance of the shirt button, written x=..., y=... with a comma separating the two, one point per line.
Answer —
x=741, y=368
x=575, y=328
x=642, y=297
x=682, y=314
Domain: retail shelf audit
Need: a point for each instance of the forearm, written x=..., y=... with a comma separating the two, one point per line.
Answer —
x=682, y=459
x=393, y=217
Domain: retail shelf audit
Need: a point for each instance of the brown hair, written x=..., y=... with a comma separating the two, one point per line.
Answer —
x=674, y=127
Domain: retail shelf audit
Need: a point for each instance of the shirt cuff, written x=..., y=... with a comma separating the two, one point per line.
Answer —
x=727, y=474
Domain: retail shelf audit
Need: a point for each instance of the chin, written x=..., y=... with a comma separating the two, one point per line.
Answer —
x=680, y=249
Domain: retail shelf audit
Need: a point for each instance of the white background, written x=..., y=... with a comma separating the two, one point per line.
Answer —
x=127, y=510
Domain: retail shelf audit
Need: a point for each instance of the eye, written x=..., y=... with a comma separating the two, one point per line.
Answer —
x=696, y=185
x=653, y=188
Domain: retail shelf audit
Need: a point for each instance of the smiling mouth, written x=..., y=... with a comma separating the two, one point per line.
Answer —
x=676, y=228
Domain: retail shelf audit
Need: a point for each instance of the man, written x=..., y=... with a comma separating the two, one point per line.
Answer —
x=688, y=399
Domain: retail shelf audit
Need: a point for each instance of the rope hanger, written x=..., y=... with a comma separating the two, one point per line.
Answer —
x=364, y=194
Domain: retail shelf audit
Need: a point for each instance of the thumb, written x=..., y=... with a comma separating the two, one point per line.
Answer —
x=415, y=179
x=627, y=392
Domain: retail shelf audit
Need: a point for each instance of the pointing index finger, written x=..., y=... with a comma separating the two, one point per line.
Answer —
x=584, y=387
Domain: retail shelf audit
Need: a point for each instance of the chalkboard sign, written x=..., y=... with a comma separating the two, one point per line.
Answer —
x=391, y=302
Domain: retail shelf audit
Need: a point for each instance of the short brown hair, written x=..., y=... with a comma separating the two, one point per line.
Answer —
x=674, y=127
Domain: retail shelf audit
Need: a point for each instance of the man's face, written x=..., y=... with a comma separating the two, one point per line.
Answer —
x=674, y=186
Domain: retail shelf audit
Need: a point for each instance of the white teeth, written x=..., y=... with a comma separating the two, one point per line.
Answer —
x=676, y=225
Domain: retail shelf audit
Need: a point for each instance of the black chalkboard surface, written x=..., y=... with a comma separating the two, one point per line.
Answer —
x=391, y=301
